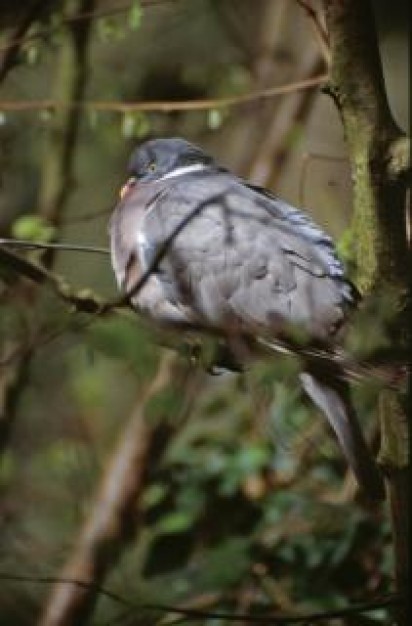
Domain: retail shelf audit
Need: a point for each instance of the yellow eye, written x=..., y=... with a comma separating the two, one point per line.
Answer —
x=152, y=166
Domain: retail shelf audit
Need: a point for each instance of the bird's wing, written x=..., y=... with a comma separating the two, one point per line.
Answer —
x=302, y=223
x=244, y=258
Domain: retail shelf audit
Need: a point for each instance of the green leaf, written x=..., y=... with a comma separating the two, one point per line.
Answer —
x=93, y=118
x=128, y=125
x=46, y=114
x=32, y=54
x=135, y=15
x=153, y=495
x=251, y=458
x=134, y=124
x=109, y=29
x=214, y=119
x=176, y=522
x=33, y=228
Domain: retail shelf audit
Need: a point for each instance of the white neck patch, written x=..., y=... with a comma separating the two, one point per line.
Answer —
x=185, y=169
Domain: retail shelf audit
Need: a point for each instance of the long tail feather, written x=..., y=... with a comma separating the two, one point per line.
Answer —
x=332, y=397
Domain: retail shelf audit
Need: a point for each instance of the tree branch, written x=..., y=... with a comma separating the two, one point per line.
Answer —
x=357, y=87
x=378, y=152
x=83, y=300
x=391, y=600
x=39, y=245
x=11, y=50
x=159, y=105
x=115, y=514
x=275, y=146
x=318, y=27
x=19, y=37
x=390, y=375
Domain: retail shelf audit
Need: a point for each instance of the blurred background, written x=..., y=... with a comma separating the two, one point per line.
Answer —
x=240, y=499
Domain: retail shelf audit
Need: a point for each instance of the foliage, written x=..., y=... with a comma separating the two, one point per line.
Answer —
x=249, y=504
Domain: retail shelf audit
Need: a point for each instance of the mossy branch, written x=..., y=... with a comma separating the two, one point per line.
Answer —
x=379, y=156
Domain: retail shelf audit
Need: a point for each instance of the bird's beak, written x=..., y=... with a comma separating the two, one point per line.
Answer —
x=127, y=187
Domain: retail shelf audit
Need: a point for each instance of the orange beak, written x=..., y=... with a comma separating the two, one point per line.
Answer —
x=127, y=187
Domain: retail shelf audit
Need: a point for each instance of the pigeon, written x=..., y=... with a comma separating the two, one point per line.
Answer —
x=222, y=254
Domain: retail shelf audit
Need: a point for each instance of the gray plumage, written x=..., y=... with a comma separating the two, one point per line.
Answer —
x=245, y=261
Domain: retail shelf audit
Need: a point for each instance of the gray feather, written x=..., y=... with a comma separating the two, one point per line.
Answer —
x=335, y=403
x=268, y=263
x=247, y=262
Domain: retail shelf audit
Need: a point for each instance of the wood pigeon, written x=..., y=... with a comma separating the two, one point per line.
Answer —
x=227, y=255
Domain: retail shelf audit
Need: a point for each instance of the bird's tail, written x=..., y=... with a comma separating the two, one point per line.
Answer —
x=332, y=397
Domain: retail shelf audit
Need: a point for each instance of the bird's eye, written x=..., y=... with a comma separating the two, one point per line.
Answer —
x=152, y=166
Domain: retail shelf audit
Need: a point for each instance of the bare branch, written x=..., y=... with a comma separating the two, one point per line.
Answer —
x=83, y=301
x=19, y=38
x=10, y=51
x=391, y=600
x=275, y=146
x=38, y=245
x=163, y=106
x=319, y=29
x=115, y=514
x=390, y=375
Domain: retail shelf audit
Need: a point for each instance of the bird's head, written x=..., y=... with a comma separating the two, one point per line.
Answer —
x=158, y=159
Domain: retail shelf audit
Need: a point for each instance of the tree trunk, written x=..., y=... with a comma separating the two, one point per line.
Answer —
x=379, y=155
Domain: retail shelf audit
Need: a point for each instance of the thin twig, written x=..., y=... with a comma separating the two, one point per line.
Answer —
x=86, y=302
x=20, y=39
x=10, y=51
x=112, y=520
x=320, y=30
x=162, y=106
x=38, y=245
x=276, y=146
x=82, y=300
x=362, y=607
x=162, y=250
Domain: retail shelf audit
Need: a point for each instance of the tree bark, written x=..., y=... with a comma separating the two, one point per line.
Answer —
x=378, y=152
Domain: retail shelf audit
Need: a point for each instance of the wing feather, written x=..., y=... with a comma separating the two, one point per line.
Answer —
x=246, y=258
